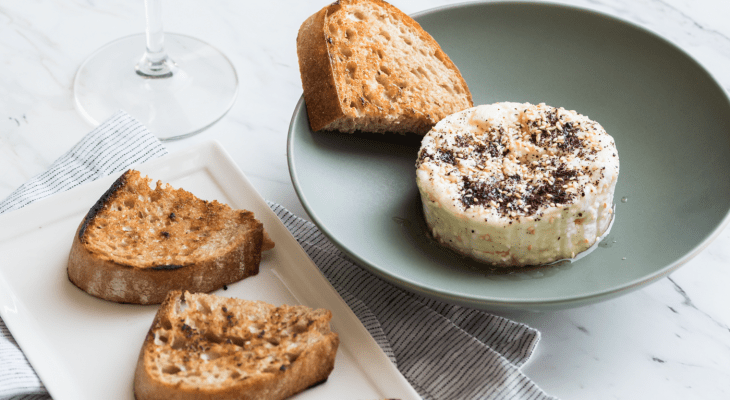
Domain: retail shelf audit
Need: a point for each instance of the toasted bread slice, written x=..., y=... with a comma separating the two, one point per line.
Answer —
x=137, y=243
x=366, y=66
x=203, y=346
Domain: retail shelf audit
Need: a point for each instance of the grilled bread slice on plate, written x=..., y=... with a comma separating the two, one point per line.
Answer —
x=137, y=243
x=366, y=66
x=203, y=346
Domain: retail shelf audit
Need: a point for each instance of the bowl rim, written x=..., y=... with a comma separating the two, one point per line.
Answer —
x=501, y=302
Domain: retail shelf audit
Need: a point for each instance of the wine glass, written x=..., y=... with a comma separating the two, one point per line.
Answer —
x=176, y=90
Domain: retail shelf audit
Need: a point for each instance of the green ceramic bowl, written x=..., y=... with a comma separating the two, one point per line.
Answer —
x=670, y=120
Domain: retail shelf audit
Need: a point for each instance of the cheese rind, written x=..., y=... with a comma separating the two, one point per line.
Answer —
x=516, y=184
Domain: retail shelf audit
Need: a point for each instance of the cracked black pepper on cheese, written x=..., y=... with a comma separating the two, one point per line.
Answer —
x=517, y=184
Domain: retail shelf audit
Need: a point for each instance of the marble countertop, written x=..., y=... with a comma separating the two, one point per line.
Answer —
x=670, y=340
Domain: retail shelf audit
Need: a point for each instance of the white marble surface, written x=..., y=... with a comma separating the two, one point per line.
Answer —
x=670, y=340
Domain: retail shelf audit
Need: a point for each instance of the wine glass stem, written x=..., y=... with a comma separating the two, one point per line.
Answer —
x=155, y=63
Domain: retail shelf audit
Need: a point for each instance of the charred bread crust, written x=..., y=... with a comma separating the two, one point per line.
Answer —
x=102, y=203
x=167, y=267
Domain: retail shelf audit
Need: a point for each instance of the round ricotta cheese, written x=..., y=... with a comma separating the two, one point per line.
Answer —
x=517, y=184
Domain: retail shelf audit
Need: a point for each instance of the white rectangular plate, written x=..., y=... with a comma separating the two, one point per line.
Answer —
x=86, y=348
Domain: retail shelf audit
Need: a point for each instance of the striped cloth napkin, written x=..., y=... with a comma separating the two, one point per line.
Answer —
x=444, y=351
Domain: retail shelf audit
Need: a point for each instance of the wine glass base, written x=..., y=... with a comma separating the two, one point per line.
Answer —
x=201, y=90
